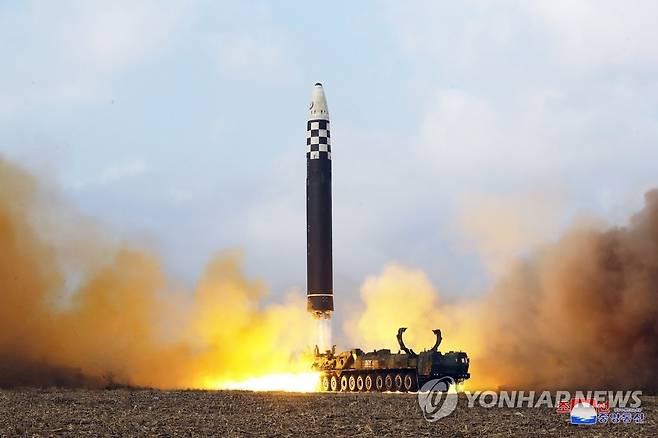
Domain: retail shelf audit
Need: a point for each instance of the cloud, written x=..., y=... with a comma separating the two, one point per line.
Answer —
x=578, y=115
x=514, y=99
x=599, y=34
x=68, y=52
x=114, y=173
x=502, y=227
x=124, y=170
x=463, y=134
x=585, y=35
x=258, y=55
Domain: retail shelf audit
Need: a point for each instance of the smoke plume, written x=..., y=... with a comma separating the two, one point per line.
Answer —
x=578, y=313
x=582, y=311
x=79, y=310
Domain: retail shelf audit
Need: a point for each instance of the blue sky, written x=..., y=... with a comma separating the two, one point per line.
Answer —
x=463, y=133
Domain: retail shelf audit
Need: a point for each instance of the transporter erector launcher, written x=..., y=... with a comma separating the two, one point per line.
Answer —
x=319, y=276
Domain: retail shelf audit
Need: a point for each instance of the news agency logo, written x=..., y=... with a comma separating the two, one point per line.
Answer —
x=437, y=398
x=616, y=409
x=583, y=412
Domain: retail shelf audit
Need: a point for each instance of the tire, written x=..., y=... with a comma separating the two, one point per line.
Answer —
x=324, y=383
x=397, y=383
x=379, y=383
x=351, y=383
x=334, y=383
x=343, y=383
x=388, y=382
x=359, y=383
x=368, y=382
x=410, y=383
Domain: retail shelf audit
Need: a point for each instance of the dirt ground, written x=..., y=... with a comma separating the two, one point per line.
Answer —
x=56, y=412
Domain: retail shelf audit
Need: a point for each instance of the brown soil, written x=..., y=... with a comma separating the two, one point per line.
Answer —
x=56, y=412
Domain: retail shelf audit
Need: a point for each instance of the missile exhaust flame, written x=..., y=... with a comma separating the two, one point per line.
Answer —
x=323, y=334
x=286, y=382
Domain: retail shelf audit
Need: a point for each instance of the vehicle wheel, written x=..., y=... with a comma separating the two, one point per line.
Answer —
x=343, y=383
x=324, y=383
x=410, y=383
x=388, y=382
x=359, y=383
x=379, y=383
x=334, y=383
x=368, y=382
x=351, y=382
x=397, y=382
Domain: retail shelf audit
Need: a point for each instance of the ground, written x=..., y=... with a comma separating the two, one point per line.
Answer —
x=56, y=412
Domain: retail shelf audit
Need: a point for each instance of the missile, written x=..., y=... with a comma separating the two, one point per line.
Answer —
x=319, y=275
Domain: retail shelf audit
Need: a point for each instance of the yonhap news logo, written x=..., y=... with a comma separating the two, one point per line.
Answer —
x=437, y=398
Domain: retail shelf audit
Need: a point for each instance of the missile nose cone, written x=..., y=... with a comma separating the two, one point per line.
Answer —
x=318, y=108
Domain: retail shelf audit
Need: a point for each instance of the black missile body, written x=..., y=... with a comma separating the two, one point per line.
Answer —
x=319, y=275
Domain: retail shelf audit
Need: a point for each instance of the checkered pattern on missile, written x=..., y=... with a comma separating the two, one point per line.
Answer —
x=318, y=139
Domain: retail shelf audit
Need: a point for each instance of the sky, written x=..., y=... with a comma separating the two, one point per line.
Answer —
x=463, y=133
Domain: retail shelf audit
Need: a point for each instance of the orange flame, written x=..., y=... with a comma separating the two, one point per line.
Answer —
x=288, y=382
